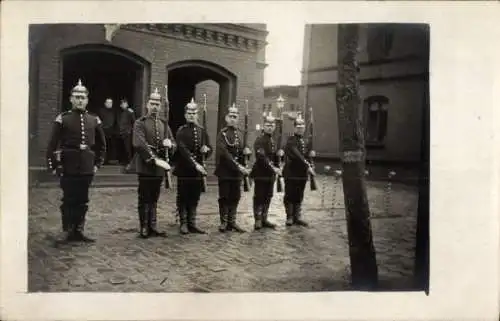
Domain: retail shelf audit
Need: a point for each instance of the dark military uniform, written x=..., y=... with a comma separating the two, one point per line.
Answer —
x=126, y=122
x=108, y=118
x=296, y=175
x=264, y=177
x=148, y=135
x=229, y=155
x=190, y=138
x=82, y=145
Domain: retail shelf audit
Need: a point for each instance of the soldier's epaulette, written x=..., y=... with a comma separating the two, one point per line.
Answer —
x=61, y=115
x=181, y=128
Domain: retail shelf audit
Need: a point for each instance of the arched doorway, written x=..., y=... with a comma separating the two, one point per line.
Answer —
x=182, y=80
x=107, y=72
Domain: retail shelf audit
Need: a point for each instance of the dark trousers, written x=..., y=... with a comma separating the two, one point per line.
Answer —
x=125, y=151
x=110, y=146
x=149, y=189
x=294, y=190
x=149, y=193
x=188, y=191
x=263, y=190
x=229, y=191
x=74, y=201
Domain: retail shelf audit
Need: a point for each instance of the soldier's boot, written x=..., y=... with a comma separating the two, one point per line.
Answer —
x=80, y=225
x=183, y=220
x=232, y=226
x=257, y=214
x=143, y=220
x=297, y=217
x=153, y=222
x=223, y=214
x=265, y=213
x=192, y=228
x=289, y=208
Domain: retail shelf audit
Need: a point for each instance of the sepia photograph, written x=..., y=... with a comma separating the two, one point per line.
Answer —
x=185, y=158
x=249, y=160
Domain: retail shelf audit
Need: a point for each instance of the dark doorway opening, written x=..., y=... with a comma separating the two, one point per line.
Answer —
x=182, y=80
x=106, y=74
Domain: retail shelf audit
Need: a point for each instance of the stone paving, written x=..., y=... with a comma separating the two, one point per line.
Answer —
x=287, y=259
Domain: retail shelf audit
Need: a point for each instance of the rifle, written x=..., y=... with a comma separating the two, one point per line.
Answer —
x=168, y=177
x=312, y=178
x=246, y=179
x=204, y=178
x=279, y=178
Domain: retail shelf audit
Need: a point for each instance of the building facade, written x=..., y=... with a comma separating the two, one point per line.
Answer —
x=394, y=73
x=224, y=61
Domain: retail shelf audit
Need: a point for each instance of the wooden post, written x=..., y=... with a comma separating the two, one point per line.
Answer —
x=364, y=271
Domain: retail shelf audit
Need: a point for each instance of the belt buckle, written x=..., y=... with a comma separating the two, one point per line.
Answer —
x=83, y=146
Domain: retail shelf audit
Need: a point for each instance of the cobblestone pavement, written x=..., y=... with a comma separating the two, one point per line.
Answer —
x=288, y=259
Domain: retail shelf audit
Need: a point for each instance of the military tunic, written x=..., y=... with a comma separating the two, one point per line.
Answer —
x=190, y=138
x=262, y=171
x=296, y=166
x=77, y=136
x=148, y=135
x=229, y=156
x=126, y=122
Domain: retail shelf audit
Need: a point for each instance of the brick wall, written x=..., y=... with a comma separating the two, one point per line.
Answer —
x=158, y=51
x=399, y=73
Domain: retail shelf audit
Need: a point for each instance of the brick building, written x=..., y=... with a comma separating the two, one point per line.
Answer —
x=394, y=71
x=225, y=61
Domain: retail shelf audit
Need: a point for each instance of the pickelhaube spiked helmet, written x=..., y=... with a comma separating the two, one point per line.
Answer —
x=299, y=121
x=155, y=95
x=79, y=88
x=269, y=118
x=233, y=109
x=192, y=105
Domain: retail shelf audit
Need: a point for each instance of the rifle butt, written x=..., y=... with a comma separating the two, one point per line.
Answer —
x=203, y=184
x=312, y=182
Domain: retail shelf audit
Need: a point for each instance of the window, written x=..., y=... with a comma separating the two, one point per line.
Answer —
x=376, y=109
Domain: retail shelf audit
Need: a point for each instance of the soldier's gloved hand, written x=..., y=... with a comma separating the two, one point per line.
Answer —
x=163, y=164
x=310, y=170
x=201, y=169
x=243, y=170
x=95, y=169
x=277, y=171
x=312, y=154
x=247, y=151
x=167, y=143
x=204, y=149
x=280, y=153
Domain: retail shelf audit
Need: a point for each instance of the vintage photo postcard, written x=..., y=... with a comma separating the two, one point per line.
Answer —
x=249, y=160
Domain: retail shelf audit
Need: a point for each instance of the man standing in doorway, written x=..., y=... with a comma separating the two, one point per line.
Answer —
x=108, y=117
x=264, y=172
x=152, y=140
x=193, y=145
x=82, y=147
x=230, y=170
x=296, y=172
x=126, y=122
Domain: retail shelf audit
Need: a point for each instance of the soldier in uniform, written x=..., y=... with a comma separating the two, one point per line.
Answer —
x=230, y=170
x=152, y=140
x=296, y=172
x=192, y=144
x=75, y=151
x=264, y=172
x=126, y=120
